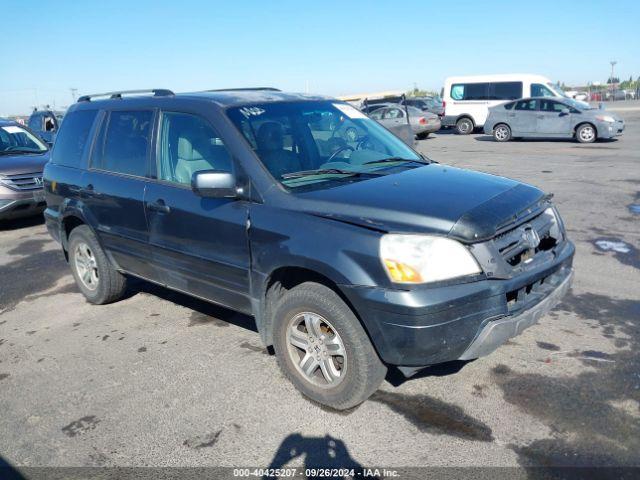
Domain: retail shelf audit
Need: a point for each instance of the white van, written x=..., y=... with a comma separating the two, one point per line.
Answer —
x=467, y=99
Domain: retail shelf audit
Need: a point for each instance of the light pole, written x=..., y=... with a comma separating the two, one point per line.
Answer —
x=613, y=64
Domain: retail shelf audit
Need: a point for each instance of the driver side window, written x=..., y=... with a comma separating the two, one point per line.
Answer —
x=539, y=90
x=188, y=144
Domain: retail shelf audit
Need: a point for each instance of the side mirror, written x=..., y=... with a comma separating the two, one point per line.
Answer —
x=565, y=111
x=214, y=184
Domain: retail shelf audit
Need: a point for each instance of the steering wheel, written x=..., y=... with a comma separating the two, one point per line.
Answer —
x=340, y=149
x=363, y=142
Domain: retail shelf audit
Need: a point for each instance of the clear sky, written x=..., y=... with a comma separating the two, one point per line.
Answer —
x=324, y=46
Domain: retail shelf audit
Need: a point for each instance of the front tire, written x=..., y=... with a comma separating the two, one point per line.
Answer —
x=99, y=282
x=322, y=348
x=586, y=133
x=502, y=133
x=464, y=126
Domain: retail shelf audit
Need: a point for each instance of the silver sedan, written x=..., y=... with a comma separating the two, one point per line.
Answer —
x=393, y=118
x=545, y=117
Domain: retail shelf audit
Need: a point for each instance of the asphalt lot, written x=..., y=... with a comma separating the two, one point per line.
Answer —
x=161, y=379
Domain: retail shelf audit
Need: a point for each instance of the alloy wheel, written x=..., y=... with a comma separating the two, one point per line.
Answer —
x=316, y=350
x=587, y=133
x=86, y=266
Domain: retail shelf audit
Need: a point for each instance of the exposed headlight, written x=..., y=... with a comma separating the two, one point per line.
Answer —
x=425, y=258
x=556, y=230
x=605, y=118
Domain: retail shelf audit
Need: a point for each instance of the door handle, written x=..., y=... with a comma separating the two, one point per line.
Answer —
x=540, y=116
x=158, y=206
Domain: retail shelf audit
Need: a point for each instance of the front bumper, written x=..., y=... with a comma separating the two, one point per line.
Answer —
x=22, y=205
x=610, y=129
x=430, y=325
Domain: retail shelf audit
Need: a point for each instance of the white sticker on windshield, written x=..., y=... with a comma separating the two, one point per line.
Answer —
x=12, y=129
x=251, y=111
x=349, y=111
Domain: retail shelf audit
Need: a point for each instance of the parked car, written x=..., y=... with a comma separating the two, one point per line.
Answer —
x=22, y=159
x=616, y=95
x=577, y=95
x=45, y=124
x=467, y=99
x=350, y=260
x=393, y=117
x=426, y=104
x=550, y=118
x=371, y=107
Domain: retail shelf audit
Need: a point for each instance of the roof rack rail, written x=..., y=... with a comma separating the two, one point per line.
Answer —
x=157, y=92
x=245, y=89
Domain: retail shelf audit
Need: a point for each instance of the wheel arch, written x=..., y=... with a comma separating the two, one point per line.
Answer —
x=469, y=116
x=283, y=279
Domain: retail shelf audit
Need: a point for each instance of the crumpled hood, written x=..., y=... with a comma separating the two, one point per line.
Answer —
x=463, y=204
x=21, y=163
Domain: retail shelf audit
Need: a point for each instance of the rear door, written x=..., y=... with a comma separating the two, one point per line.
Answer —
x=113, y=188
x=524, y=119
x=394, y=119
x=199, y=245
x=551, y=119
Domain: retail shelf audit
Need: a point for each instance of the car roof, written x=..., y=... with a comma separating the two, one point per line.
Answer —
x=223, y=98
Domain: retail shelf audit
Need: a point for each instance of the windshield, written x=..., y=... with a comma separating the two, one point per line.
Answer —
x=320, y=143
x=15, y=139
x=577, y=104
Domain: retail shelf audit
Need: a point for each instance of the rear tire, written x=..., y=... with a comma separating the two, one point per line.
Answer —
x=464, y=126
x=586, y=133
x=99, y=282
x=322, y=348
x=422, y=136
x=502, y=132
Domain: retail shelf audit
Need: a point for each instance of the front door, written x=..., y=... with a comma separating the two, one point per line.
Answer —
x=553, y=119
x=199, y=245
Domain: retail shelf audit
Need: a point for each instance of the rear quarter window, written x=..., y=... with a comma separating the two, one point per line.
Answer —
x=509, y=106
x=72, y=138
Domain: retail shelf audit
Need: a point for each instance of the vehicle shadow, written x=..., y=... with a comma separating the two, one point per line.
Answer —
x=396, y=378
x=203, y=312
x=8, y=471
x=318, y=453
x=18, y=223
x=489, y=138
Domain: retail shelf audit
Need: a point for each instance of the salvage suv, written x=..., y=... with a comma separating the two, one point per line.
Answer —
x=352, y=253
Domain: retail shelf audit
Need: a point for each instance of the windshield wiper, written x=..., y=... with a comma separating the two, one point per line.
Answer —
x=325, y=171
x=395, y=159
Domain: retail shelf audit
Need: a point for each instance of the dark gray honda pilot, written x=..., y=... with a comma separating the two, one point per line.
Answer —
x=352, y=252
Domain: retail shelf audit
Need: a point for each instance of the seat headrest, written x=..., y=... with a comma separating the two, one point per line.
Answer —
x=270, y=137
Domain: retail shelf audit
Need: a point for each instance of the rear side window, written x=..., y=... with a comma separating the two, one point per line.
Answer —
x=526, y=105
x=505, y=90
x=123, y=145
x=470, y=91
x=73, y=137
